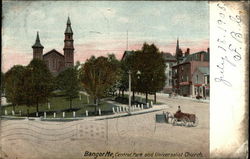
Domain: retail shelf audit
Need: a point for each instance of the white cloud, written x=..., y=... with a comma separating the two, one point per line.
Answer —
x=123, y=19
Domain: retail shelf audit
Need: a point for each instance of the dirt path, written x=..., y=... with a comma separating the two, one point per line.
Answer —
x=23, y=139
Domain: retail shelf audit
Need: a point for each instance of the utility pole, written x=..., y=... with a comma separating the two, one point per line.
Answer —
x=127, y=40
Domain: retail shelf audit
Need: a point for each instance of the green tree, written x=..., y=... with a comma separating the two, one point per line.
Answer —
x=126, y=66
x=98, y=74
x=117, y=69
x=69, y=83
x=147, y=68
x=14, y=90
x=2, y=82
x=38, y=83
x=150, y=63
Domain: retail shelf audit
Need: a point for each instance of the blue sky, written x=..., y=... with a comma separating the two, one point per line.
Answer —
x=100, y=27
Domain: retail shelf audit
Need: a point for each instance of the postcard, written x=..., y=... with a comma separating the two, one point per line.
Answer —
x=124, y=79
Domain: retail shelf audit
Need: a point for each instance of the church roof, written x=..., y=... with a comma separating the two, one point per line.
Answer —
x=37, y=43
x=51, y=51
x=68, y=28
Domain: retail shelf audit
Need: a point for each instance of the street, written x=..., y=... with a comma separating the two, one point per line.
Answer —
x=36, y=139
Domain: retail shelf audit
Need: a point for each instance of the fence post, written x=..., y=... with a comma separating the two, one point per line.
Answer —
x=100, y=112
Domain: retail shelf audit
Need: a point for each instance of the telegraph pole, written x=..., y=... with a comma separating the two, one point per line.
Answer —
x=127, y=40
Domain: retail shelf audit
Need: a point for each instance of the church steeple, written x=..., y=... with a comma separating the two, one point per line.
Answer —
x=37, y=48
x=68, y=29
x=177, y=47
x=68, y=45
x=178, y=52
x=37, y=43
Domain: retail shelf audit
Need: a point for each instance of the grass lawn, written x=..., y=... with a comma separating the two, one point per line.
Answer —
x=60, y=104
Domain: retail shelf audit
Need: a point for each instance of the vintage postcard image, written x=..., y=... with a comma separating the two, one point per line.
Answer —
x=107, y=79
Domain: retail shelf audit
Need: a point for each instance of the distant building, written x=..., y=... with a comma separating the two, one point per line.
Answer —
x=56, y=61
x=201, y=82
x=170, y=61
x=192, y=73
x=126, y=54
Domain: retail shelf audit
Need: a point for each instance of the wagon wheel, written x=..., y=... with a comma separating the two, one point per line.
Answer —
x=196, y=122
x=174, y=121
x=185, y=121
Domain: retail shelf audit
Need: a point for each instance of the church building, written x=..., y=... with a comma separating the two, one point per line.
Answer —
x=56, y=61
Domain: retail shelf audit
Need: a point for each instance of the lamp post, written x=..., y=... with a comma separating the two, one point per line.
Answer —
x=138, y=73
x=129, y=91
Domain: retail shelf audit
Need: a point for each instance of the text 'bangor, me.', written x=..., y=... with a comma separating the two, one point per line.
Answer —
x=109, y=154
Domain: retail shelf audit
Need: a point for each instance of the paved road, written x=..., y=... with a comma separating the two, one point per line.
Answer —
x=25, y=139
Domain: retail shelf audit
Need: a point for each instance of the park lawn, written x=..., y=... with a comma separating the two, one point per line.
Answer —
x=60, y=103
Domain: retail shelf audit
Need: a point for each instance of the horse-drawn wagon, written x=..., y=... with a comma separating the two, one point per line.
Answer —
x=185, y=119
x=179, y=118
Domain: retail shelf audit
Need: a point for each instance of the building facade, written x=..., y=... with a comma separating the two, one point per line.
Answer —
x=170, y=61
x=56, y=61
x=201, y=82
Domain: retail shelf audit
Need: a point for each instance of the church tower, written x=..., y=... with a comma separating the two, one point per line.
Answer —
x=37, y=49
x=68, y=45
x=178, y=52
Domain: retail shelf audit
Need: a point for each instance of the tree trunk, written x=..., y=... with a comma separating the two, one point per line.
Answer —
x=70, y=103
x=28, y=112
x=146, y=97
x=122, y=93
x=14, y=107
x=155, y=98
x=95, y=102
x=133, y=95
x=37, y=109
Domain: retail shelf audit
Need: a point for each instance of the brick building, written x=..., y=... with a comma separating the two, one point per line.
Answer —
x=55, y=60
x=192, y=73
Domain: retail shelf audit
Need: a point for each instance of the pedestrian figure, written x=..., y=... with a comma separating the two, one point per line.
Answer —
x=179, y=109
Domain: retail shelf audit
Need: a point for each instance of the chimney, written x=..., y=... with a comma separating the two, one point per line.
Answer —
x=187, y=52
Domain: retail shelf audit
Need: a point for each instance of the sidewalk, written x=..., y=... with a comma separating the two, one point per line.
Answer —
x=173, y=97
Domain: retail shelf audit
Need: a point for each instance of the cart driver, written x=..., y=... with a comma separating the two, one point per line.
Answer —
x=179, y=109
